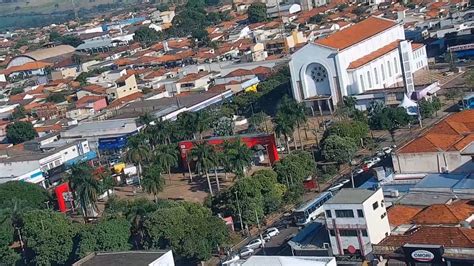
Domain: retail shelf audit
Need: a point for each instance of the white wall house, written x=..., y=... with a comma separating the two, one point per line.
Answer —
x=358, y=59
x=356, y=219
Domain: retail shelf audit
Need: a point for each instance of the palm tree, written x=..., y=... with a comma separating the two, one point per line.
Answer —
x=153, y=182
x=138, y=152
x=204, y=156
x=107, y=182
x=300, y=118
x=145, y=119
x=203, y=122
x=85, y=186
x=239, y=156
x=188, y=124
x=284, y=125
x=166, y=156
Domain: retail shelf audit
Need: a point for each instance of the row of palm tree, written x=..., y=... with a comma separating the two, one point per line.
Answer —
x=232, y=156
x=290, y=115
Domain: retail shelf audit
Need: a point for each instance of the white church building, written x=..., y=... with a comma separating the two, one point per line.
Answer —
x=366, y=57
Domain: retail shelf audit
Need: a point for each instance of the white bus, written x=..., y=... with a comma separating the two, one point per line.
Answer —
x=311, y=209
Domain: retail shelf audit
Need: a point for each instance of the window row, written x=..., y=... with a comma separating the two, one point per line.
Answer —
x=348, y=232
x=371, y=79
x=345, y=213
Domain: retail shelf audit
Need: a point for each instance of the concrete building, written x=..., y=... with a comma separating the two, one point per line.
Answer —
x=287, y=261
x=63, y=73
x=446, y=147
x=124, y=86
x=362, y=58
x=33, y=165
x=356, y=219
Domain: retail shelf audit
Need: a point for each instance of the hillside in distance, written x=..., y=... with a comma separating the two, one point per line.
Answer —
x=17, y=7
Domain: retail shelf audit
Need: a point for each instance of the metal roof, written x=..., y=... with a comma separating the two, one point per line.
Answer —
x=46, y=53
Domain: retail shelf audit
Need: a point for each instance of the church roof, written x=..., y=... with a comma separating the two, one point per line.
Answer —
x=356, y=33
x=374, y=55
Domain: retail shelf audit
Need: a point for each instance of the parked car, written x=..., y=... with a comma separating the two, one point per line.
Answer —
x=256, y=243
x=230, y=259
x=246, y=252
x=272, y=231
x=372, y=161
x=280, y=148
x=284, y=223
x=358, y=171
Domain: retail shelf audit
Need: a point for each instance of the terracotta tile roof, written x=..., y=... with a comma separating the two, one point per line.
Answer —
x=416, y=46
x=123, y=62
x=356, y=33
x=239, y=73
x=374, y=55
x=88, y=99
x=193, y=77
x=445, y=236
x=28, y=66
x=51, y=128
x=453, y=133
x=124, y=77
x=96, y=89
x=124, y=100
x=402, y=214
x=445, y=214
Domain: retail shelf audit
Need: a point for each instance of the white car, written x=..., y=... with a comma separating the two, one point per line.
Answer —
x=246, y=252
x=280, y=148
x=256, y=243
x=231, y=259
x=372, y=161
x=272, y=231
x=357, y=171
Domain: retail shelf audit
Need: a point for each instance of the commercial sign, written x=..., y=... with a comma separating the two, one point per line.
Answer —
x=422, y=255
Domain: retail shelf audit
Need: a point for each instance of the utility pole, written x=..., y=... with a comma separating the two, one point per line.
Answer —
x=240, y=213
x=256, y=216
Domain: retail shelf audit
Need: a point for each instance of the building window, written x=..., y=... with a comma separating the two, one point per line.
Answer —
x=375, y=205
x=383, y=215
x=389, y=68
x=328, y=213
x=344, y=213
x=347, y=232
x=360, y=213
x=361, y=82
x=364, y=232
x=376, y=76
x=369, y=78
x=332, y=233
x=395, y=65
x=383, y=72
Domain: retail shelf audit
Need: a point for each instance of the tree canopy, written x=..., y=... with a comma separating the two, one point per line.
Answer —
x=19, y=132
x=352, y=129
x=257, y=12
x=147, y=36
x=339, y=149
x=27, y=194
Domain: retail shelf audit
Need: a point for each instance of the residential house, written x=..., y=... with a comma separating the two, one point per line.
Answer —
x=63, y=73
x=124, y=86
x=91, y=90
x=191, y=82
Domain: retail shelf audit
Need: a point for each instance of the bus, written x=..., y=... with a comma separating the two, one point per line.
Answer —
x=311, y=209
x=467, y=102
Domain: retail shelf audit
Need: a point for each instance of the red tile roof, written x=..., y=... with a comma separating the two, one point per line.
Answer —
x=445, y=214
x=124, y=100
x=416, y=46
x=96, y=89
x=28, y=66
x=193, y=76
x=453, y=133
x=374, y=55
x=88, y=99
x=445, y=236
x=356, y=33
x=402, y=214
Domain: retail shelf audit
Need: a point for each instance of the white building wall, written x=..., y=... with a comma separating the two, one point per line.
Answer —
x=378, y=226
x=428, y=162
x=420, y=60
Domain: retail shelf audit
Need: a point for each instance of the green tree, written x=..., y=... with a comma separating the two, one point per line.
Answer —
x=153, y=182
x=257, y=12
x=49, y=236
x=318, y=18
x=85, y=186
x=107, y=235
x=19, y=132
x=272, y=191
x=453, y=94
x=469, y=78
x=16, y=91
x=339, y=149
x=389, y=118
x=257, y=122
x=239, y=157
x=107, y=182
x=204, y=156
x=171, y=227
x=29, y=195
x=224, y=127
x=284, y=126
x=251, y=201
x=147, y=36
x=18, y=113
x=145, y=119
x=56, y=98
x=166, y=156
x=355, y=130
x=138, y=152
